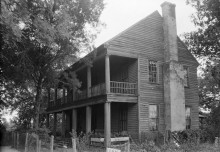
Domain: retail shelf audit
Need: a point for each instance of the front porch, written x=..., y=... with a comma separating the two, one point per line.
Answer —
x=105, y=120
x=108, y=76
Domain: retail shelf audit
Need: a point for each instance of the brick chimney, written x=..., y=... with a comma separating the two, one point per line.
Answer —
x=174, y=94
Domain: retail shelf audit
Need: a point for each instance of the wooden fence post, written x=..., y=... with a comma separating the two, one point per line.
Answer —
x=17, y=140
x=51, y=143
x=14, y=140
x=26, y=143
x=74, y=144
x=216, y=141
x=39, y=145
x=128, y=146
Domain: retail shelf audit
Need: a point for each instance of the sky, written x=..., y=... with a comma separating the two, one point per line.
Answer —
x=118, y=15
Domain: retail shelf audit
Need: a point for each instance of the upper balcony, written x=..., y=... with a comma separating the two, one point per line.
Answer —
x=108, y=76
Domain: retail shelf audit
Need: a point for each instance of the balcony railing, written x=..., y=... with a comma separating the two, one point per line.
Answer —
x=123, y=87
x=100, y=89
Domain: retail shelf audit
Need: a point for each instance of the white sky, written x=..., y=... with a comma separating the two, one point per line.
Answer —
x=118, y=15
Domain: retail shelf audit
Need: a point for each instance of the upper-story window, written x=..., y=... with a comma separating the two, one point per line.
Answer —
x=188, y=117
x=153, y=115
x=153, y=71
x=186, y=77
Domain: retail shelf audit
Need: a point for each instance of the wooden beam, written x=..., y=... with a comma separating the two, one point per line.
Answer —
x=92, y=101
x=54, y=124
x=88, y=81
x=48, y=96
x=107, y=131
x=122, y=54
x=47, y=120
x=88, y=119
x=107, y=74
x=74, y=119
x=64, y=94
x=55, y=93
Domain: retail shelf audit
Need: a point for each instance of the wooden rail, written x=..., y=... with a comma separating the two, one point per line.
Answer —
x=99, y=89
x=123, y=87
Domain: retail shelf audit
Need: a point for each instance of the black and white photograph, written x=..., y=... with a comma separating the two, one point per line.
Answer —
x=110, y=76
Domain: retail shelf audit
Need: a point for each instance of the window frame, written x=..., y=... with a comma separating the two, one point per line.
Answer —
x=156, y=71
x=156, y=118
x=188, y=118
x=186, y=68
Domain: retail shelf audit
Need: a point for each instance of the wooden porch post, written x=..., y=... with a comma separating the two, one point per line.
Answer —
x=63, y=129
x=48, y=97
x=74, y=119
x=88, y=81
x=55, y=93
x=107, y=107
x=107, y=73
x=88, y=118
x=54, y=124
x=47, y=119
x=64, y=94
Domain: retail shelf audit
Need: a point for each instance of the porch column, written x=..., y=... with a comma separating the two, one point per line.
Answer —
x=48, y=97
x=107, y=131
x=54, y=123
x=64, y=94
x=74, y=119
x=68, y=122
x=88, y=81
x=55, y=93
x=47, y=120
x=107, y=73
x=88, y=118
x=63, y=124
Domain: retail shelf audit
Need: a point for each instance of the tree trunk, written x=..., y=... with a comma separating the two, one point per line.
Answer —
x=38, y=98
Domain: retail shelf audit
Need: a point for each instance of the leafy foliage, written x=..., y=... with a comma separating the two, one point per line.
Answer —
x=204, y=43
x=40, y=39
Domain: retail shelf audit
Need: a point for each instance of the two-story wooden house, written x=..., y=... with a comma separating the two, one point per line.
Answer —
x=142, y=80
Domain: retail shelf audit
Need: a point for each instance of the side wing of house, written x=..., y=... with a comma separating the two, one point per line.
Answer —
x=191, y=88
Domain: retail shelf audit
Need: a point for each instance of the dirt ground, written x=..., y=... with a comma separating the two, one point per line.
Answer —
x=7, y=149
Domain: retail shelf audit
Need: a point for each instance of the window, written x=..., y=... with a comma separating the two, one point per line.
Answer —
x=153, y=115
x=188, y=118
x=186, y=77
x=153, y=71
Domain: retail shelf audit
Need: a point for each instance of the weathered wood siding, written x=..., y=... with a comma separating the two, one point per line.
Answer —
x=132, y=121
x=145, y=39
x=191, y=92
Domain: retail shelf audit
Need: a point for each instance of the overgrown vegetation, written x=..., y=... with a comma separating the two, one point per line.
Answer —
x=204, y=43
x=39, y=39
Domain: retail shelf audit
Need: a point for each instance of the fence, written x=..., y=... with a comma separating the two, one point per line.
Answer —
x=31, y=142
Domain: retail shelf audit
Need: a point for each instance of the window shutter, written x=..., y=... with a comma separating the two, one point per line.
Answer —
x=158, y=72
